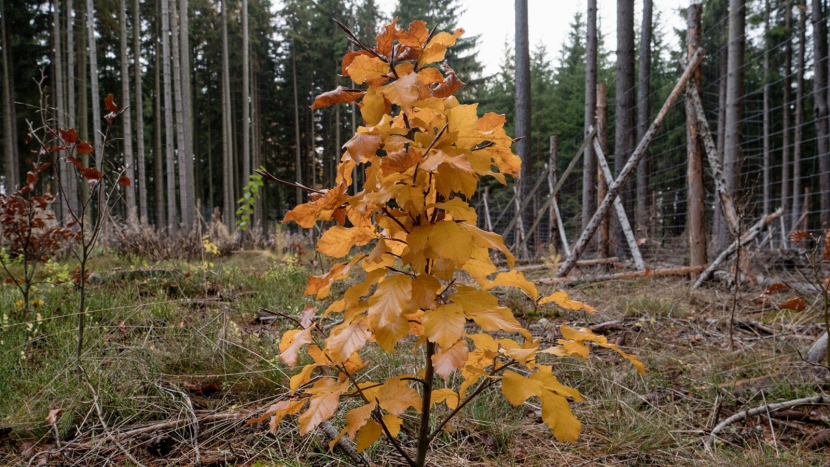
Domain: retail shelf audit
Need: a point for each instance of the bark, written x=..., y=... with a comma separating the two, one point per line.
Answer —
x=604, y=250
x=139, y=115
x=126, y=122
x=766, y=125
x=721, y=231
x=820, y=106
x=158, y=169
x=185, y=183
x=615, y=186
x=187, y=100
x=83, y=95
x=93, y=78
x=589, y=164
x=643, y=92
x=298, y=163
x=9, y=145
x=168, y=117
x=259, y=201
x=733, y=156
x=60, y=102
x=227, y=143
x=523, y=101
x=246, y=123
x=71, y=182
x=694, y=170
x=799, y=115
x=787, y=114
x=625, y=100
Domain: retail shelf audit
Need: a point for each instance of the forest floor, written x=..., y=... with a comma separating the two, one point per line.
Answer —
x=175, y=342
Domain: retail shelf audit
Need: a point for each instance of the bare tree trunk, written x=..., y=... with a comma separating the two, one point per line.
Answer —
x=93, y=75
x=227, y=182
x=589, y=162
x=799, y=114
x=820, y=105
x=733, y=155
x=523, y=103
x=625, y=106
x=766, y=130
x=129, y=162
x=643, y=93
x=787, y=117
x=604, y=250
x=70, y=182
x=721, y=232
x=246, y=122
x=10, y=169
x=83, y=95
x=60, y=102
x=185, y=188
x=259, y=201
x=139, y=114
x=298, y=162
x=158, y=168
x=694, y=173
x=168, y=117
x=187, y=101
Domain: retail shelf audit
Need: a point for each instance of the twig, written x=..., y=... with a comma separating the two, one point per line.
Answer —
x=189, y=405
x=104, y=424
x=769, y=418
x=820, y=399
x=343, y=443
x=267, y=175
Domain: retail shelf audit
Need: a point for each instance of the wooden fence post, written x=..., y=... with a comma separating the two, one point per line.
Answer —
x=694, y=170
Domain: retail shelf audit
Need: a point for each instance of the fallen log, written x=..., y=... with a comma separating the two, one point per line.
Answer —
x=750, y=235
x=621, y=275
x=580, y=263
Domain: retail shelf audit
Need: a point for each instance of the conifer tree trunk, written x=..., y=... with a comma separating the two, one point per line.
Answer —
x=71, y=182
x=227, y=143
x=733, y=155
x=158, y=169
x=139, y=115
x=589, y=161
x=523, y=106
x=799, y=115
x=129, y=163
x=625, y=106
x=185, y=188
x=787, y=117
x=820, y=105
x=83, y=94
x=298, y=163
x=694, y=175
x=643, y=92
x=10, y=169
x=766, y=130
x=720, y=222
x=60, y=101
x=93, y=77
x=187, y=102
x=246, y=122
x=168, y=116
x=256, y=147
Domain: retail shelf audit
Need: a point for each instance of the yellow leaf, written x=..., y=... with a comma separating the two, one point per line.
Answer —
x=393, y=424
x=445, y=324
x=524, y=353
x=347, y=338
x=301, y=378
x=337, y=241
x=400, y=161
x=290, y=346
x=373, y=107
x=437, y=47
x=552, y=384
x=367, y=435
x=387, y=309
x=463, y=121
x=358, y=417
x=563, y=300
x=484, y=342
x=450, y=359
x=556, y=413
x=424, y=289
x=415, y=36
x=446, y=395
x=451, y=241
x=517, y=389
x=515, y=279
x=395, y=397
x=631, y=358
x=489, y=240
x=403, y=91
x=324, y=401
x=364, y=145
x=364, y=67
x=568, y=348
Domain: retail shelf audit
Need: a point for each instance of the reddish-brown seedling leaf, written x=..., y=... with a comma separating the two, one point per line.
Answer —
x=340, y=95
x=799, y=235
x=795, y=304
x=70, y=135
x=91, y=174
x=124, y=181
x=775, y=288
x=110, y=104
x=84, y=148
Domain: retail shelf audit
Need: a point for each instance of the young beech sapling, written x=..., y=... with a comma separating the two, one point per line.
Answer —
x=423, y=153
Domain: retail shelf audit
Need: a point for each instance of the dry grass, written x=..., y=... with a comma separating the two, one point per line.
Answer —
x=158, y=341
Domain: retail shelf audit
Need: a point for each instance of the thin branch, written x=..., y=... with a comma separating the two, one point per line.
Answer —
x=267, y=175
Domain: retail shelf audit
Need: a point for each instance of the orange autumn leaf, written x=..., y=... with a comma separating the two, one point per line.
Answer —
x=340, y=95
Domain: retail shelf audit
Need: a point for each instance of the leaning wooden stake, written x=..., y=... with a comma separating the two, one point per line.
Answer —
x=728, y=205
x=618, y=206
x=554, y=215
x=615, y=186
x=746, y=238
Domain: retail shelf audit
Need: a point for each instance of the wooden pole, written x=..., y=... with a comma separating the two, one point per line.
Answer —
x=745, y=239
x=604, y=250
x=680, y=271
x=695, y=193
x=615, y=186
x=621, y=215
x=555, y=216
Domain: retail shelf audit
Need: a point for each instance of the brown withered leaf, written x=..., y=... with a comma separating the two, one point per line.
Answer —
x=84, y=148
x=400, y=161
x=363, y=145
x=349, y=58
x=415, y=36
x=387, y=38
x=109, y=103
x=124, y=181
x=339, y=95
x=795, y=304
x=799, y=235
x=449, y=86
x=70, y=135
x=775, y=288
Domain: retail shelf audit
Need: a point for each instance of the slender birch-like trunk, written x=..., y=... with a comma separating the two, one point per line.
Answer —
x=589, y=161
x=168, y=117
x=129, y=163
x=643, y=93
x=185, y=189
x=139, y=115
x=227, y=135
x=93, y=77
x=799, y=115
